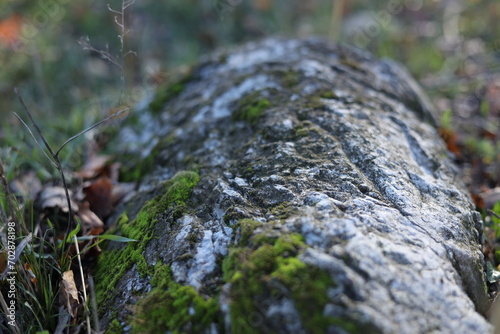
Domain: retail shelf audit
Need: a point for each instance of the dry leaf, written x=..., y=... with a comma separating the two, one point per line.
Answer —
x=493, y=96
x=69, y=293
x=99, y=196
x=94, y=166
x=29, y=272
x=451, y=140
x=490, y=197
x=55, y=197
x=90, y=221
x=28, y=185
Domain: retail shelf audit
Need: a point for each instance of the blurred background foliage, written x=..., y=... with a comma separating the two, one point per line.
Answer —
x=450, y=46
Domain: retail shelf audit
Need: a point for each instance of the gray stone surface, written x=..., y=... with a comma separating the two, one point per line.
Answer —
x=347, y=156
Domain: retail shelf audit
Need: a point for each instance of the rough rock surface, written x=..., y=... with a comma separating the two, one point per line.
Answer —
x=326, y=202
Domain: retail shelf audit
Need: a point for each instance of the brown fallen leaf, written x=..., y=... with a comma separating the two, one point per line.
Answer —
x=69, y=293
x=99, y=195
x=29, y=272
x=90, y=221
x=94, y=166
x=490, y=197
x=451, y=140
x=493, y=96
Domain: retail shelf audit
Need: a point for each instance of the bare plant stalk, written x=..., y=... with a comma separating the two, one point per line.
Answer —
x=105, y=54
x=120, y=21
x=336, y=19
x=493, y=213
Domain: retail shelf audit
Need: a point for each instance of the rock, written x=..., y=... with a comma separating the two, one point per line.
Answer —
x=293, y=186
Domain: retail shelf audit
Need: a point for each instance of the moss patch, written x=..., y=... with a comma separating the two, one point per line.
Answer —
x=264, y=270
x=328, y=94
x=289, y=79
x=283, y=211
x=167, y=92
x=115, y=328
x=172, y=307
x=251, y=107
x=256, y=273
x=113, y=264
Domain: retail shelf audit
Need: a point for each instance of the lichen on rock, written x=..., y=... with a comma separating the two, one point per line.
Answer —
x=325, y=203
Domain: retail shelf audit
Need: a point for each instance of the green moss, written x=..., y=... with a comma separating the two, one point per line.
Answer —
x=167, y=92
x=289, y=244
x=303, y=129
x=301, y=132
x=263, y=258
x=314, y=102
x=114, y=327
x=352, y=64
x=232, y=216
x=180, y=186
x=263, y=267
x=250, y=108
x=283, y=211
x=113, y=264
x=250, y=270
x=172, y=307
x=290, y=79
x=230, y=264
x=247, y=226
x=248, y=172
x=192, y=238
x=328, y=95
x=123, y=219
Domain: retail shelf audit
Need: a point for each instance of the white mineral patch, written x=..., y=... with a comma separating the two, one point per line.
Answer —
x=204, y=261
x=250, y=58
x=313, y=68
x=186, y=222
x=202, y=114
x=220, y=108
x=214, y=243
x=241, y=182
x=288, y=124
x=227, y=190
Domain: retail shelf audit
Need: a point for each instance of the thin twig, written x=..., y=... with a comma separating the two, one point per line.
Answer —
x=120, y=21
x=36, y=141
x=32, y=121
x=89, y=329
x=118, y=113
x=104, y=54
x=491, y=212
